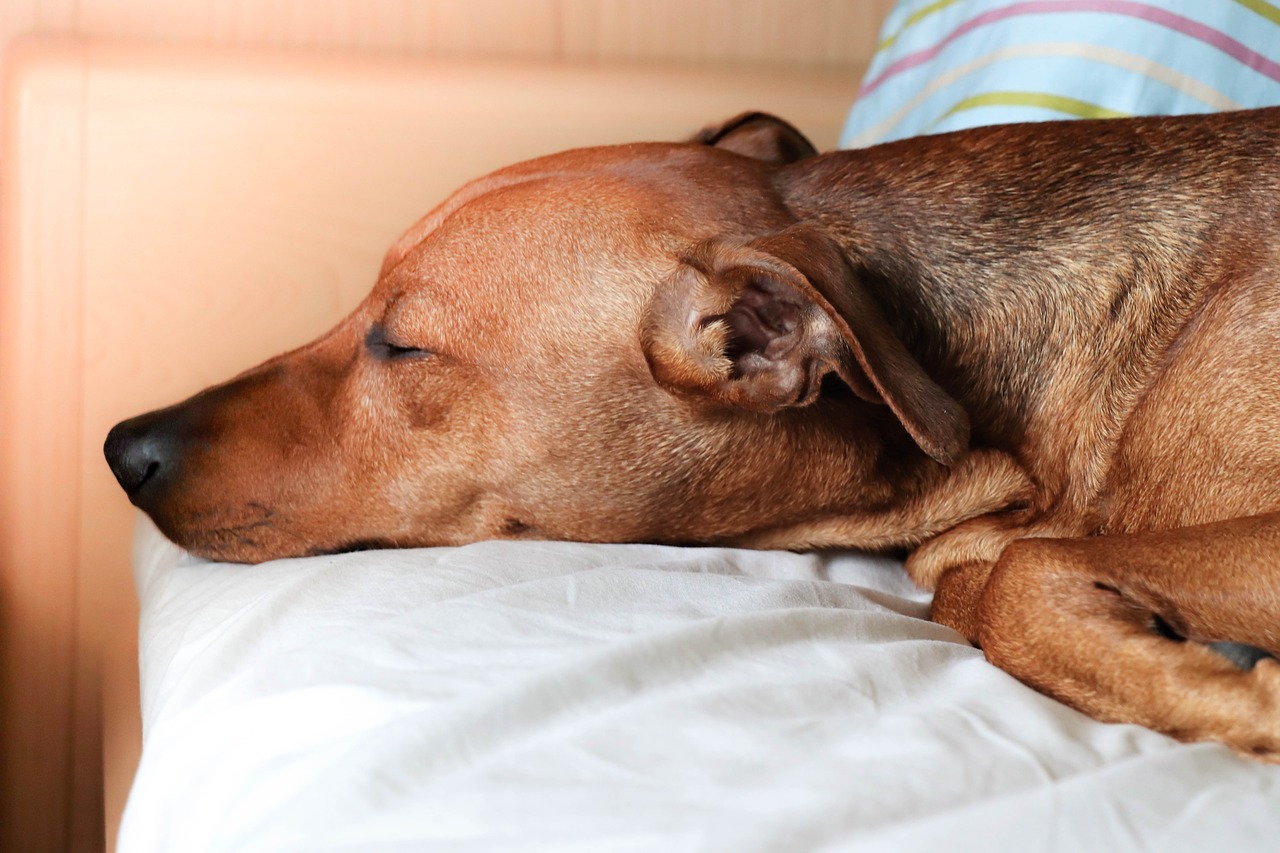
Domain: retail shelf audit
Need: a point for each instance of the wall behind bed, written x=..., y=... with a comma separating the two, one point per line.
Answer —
x=66, y=609
x=790, y=31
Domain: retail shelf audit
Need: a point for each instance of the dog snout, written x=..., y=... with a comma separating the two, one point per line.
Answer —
x=144, y=454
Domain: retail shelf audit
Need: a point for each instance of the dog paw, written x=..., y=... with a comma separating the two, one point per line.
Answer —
x=1259, y=737
x=1243, y=656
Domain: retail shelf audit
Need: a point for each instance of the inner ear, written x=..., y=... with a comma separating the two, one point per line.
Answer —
x=732, y=327
x=761, y=327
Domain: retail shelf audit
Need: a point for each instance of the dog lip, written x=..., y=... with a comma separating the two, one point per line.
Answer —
x=371, y=544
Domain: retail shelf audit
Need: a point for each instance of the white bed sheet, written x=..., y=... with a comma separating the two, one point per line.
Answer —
x=557, y=697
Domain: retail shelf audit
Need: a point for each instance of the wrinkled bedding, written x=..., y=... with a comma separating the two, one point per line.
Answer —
x=563, y=697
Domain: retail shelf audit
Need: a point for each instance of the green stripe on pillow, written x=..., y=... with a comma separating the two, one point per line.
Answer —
x=1058, y=103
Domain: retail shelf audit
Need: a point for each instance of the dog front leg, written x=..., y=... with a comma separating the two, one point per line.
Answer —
x=957, y=565
x=957, y=596
x=1121, y=628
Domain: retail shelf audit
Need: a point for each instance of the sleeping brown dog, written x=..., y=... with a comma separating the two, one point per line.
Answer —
x=1043, y=358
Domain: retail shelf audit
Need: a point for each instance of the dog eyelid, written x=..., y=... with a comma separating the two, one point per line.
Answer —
x=380, y=347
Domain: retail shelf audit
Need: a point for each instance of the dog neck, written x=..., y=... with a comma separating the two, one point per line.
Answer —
x=992, y=274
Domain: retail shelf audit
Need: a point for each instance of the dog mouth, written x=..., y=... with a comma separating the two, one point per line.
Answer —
x=251, y=533
x=352, y=547
x=257, y=540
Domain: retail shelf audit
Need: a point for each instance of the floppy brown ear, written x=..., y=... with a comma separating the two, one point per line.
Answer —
x=759, y=135
x=748, y=325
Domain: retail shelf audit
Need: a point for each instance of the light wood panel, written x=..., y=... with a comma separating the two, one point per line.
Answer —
x=493, y=28
x=797, y=33
x=803, y=33
x=40, y=253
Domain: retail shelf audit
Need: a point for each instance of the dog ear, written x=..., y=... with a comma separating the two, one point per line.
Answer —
x=758, y=135
x=759, y=325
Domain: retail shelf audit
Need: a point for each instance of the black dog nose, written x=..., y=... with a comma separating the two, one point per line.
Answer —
x=143, y=453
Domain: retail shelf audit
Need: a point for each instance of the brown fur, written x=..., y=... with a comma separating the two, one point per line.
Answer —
x=1035, y=354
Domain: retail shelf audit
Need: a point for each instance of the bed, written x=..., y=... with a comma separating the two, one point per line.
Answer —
x=177, y=217
x=564, y=697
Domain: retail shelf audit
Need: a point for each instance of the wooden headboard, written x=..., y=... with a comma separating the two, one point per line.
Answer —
x=170, y=218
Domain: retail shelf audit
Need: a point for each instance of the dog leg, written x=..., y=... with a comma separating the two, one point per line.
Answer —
x=957, y=596
x=1122, y=627
x=957, y=564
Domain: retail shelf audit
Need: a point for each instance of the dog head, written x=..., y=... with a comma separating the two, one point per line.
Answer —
x=631, y=343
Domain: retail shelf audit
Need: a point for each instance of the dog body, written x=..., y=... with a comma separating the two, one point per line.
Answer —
x=1037, y=355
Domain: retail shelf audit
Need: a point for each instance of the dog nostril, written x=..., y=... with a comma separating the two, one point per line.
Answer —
x=148, y=474
x=141, y=452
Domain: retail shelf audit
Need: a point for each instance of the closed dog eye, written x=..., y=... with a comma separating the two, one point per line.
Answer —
x=384, y=349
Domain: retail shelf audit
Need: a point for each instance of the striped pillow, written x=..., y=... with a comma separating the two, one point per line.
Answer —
x=949, y=64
